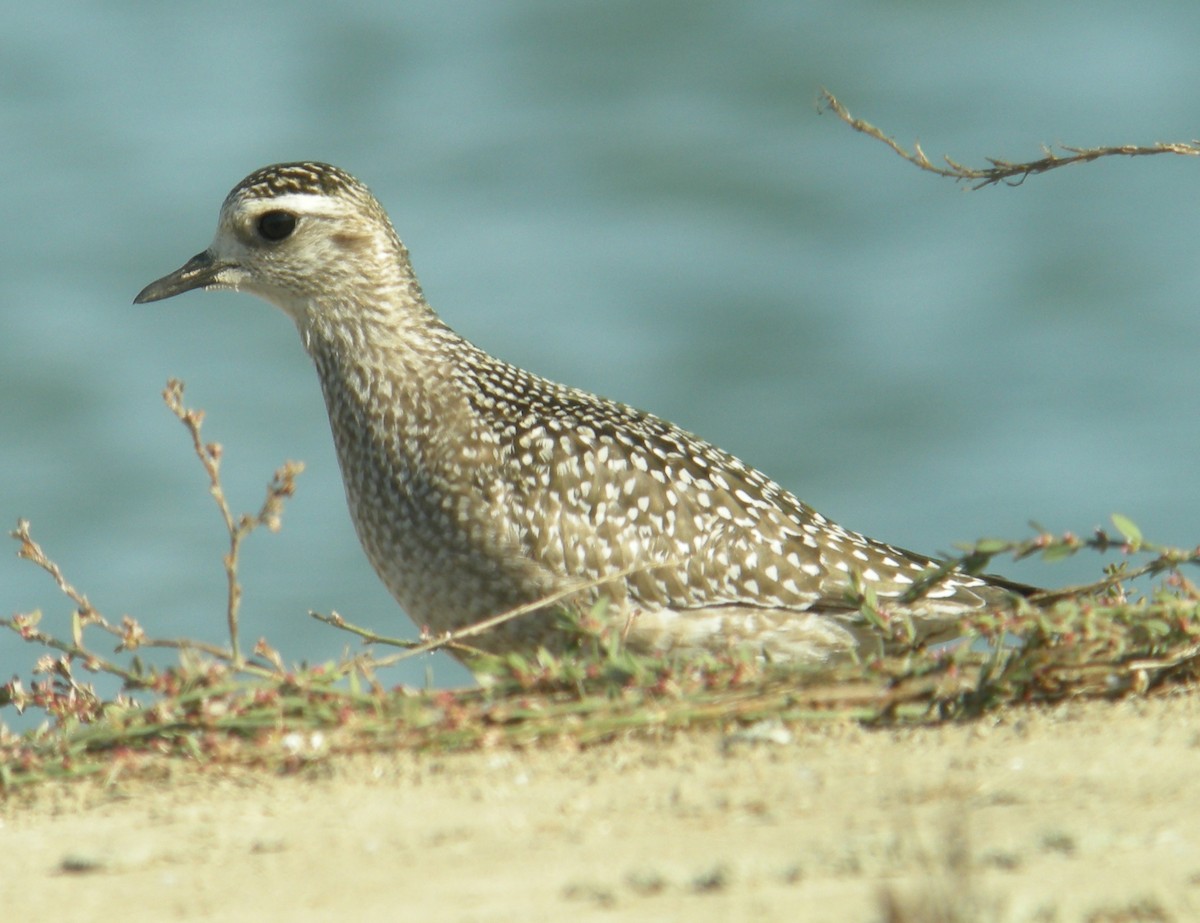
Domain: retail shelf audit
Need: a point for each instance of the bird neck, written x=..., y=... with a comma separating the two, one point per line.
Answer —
x=398, y=340
x=392, y=371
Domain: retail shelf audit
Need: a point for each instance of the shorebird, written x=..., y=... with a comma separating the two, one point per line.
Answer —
x=476, y=486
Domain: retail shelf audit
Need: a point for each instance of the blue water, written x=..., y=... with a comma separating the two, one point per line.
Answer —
x=640, y=199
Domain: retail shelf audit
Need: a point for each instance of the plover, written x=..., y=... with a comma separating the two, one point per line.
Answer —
x=476, y=486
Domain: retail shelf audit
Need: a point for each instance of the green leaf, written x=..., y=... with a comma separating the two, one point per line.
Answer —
x=1132, y=534
x=1057, y=552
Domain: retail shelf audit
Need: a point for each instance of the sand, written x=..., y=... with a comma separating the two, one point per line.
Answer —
x=1086, y=811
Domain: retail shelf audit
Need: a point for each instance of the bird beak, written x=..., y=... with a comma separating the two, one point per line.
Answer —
x=201, y=271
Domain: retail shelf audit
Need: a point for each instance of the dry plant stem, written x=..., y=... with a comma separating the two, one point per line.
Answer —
x=85, y=615
x=282, y=486
x=1003, y=171
x=92, y=661
x=335, y=620
x=210, y=457
x=453, y=639
x=32, y=551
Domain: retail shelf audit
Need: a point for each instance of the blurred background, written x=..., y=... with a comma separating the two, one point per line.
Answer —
x=638, y=199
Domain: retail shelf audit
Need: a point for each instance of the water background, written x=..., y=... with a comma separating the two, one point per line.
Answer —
x=636, y=198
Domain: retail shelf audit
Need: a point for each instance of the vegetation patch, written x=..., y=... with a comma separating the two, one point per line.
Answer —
x=217, y=706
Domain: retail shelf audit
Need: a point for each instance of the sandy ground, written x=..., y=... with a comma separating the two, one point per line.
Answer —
x=1081, y=812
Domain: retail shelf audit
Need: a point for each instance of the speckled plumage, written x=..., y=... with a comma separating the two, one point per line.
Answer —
x=476, y=486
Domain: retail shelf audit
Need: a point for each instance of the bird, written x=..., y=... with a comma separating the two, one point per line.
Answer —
x=477, y=487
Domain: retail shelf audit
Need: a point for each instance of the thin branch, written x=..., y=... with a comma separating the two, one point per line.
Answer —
x=130, y=633
x=84, y=614
x=335, y=620
x=23, y=626
x=1003, y=171
x=282, y=486
x=453, y=639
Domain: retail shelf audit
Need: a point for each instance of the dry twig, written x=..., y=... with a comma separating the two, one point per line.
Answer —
x=1003, y=171
x=282, y=486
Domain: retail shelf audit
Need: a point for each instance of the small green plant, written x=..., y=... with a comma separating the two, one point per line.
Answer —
x=218, y=706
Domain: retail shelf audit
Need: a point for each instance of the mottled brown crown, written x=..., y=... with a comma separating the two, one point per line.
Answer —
x=304, y=177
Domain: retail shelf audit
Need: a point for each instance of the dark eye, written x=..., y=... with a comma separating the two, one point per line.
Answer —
x=276, y=225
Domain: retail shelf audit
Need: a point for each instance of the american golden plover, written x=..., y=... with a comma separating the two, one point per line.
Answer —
x=476, y=486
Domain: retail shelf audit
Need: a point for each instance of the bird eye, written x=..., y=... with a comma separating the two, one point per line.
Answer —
x=276, y=225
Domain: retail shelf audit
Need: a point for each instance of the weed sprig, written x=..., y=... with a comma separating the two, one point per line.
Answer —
x=214, y=706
